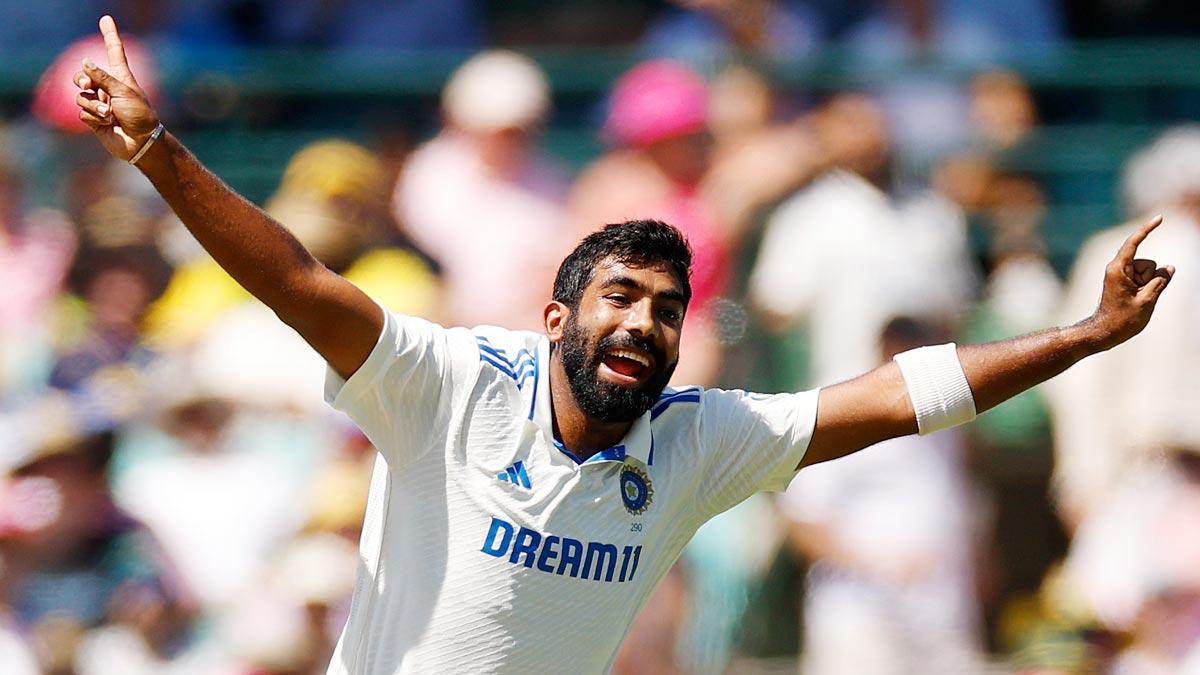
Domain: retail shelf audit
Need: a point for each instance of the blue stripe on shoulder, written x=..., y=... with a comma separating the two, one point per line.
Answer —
x=519, y=370
x=533, y=399
x=488, y=349
x=523, y=365
x=679, y=392
x=692, y=396
x=501, y=366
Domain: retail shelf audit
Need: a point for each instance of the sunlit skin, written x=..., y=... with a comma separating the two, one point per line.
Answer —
x=646, y=303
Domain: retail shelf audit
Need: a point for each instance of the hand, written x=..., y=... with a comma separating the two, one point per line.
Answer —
x=1132, y=286
x=111, y=102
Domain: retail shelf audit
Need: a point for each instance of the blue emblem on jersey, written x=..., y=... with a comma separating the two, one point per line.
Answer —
x=636, y=491
x=516, y=475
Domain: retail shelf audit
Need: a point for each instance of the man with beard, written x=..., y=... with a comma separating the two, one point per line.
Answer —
x=531, y=489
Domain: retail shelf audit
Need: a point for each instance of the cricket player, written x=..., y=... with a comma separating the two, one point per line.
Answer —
x=532, y=489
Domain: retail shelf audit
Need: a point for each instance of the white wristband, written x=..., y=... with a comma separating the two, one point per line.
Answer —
x=937, y=387
x=158, y=131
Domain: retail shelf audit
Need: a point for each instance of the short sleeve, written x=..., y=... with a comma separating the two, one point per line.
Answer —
x=758, y=441
x=403, y=396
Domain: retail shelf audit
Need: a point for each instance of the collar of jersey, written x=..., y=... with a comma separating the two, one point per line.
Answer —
x=637, y=443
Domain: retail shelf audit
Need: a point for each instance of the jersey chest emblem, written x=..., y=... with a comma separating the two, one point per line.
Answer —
x=636, y=490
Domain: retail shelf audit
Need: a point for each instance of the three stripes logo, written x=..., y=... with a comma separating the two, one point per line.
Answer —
x=516, y=475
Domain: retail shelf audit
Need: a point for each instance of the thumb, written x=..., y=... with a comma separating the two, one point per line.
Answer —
x=1155, y=286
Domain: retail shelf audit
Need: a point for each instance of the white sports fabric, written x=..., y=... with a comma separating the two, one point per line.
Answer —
x=464, y=569
x=937, y=387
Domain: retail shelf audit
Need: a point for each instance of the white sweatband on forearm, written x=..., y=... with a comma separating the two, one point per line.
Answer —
x=937, y=387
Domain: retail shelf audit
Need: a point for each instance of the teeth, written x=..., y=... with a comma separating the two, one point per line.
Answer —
x=632, y=356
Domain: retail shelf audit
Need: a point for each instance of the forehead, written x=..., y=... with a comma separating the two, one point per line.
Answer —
x=655, y=278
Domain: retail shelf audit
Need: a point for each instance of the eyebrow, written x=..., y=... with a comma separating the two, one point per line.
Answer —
x=630, y=282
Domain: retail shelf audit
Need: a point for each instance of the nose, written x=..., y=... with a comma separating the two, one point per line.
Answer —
x=639, y=319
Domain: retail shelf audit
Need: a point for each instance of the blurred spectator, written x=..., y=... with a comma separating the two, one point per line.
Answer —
x=313, y=576
x=890, y=534
x=651, y=646
x=73, y=562
x=36, y=251
x=1115, y=411
x=1003, y=112
x=693, y=29
x=725, y=559
x=966, y=30
x=483, y=199
x=756, y=159
x=111, y=204
x=230, y=416
x=667, y=163
x=930, y=113
x=1133, y=564
x=843, y=256
x=334, y=198
x=1053, y=633
x=14, y=654
x=282, y=625
x=116, y=287
x=338, y=492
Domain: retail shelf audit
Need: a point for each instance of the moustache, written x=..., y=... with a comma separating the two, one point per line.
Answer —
x=627, y=340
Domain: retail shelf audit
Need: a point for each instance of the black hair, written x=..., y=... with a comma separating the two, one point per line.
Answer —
x=639, y=243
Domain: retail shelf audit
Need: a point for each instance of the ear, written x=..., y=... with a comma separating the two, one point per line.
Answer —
x=555, y=317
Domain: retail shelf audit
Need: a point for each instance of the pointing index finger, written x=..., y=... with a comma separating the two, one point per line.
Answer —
x=112, y=42
x=1129, y=248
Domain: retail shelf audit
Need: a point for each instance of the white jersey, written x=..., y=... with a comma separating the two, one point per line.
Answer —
x=488, y=548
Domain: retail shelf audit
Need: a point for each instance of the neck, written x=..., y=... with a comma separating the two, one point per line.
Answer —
x=583, y=435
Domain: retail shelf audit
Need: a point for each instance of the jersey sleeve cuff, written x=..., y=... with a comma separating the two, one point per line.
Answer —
x=802, y=431
x=338, y=392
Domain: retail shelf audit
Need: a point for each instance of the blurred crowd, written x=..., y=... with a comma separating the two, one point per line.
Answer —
x=175, y=497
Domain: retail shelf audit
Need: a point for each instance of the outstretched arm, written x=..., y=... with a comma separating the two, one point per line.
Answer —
x=876, y=406
x=330, y=313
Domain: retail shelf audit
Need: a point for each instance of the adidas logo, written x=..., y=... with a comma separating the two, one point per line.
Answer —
x=516, y=475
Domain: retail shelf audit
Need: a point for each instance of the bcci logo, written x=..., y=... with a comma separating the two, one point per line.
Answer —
x=636, y=491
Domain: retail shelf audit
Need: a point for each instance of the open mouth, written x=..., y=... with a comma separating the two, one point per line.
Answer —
x=625, y=365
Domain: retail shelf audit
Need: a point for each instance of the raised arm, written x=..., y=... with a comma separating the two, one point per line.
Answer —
x=330, y=313
x=877, y=406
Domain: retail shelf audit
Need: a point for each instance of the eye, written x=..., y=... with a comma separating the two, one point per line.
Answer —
x=669, y=315
x=618, y=299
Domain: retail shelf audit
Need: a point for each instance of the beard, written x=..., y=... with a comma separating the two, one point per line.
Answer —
x=606, y=401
